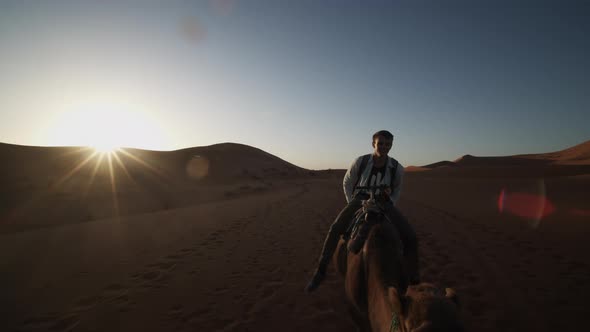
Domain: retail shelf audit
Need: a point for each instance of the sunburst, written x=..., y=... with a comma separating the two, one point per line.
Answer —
x=109, y=154
x=106, y=148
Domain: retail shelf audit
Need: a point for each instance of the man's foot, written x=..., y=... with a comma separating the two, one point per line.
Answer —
x=315, y=282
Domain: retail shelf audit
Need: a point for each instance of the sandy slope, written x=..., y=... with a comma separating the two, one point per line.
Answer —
x=234, y=251
x=512, y=273
x=45, y=186
x=573, y=160
x=240, y=264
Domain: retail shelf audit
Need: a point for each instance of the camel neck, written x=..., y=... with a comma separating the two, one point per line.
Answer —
x=382, y=273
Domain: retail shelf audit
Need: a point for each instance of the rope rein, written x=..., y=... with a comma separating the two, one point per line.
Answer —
x=372, y=205
x=394, y=323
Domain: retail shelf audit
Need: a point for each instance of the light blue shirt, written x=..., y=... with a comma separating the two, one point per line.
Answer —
x=366, y=179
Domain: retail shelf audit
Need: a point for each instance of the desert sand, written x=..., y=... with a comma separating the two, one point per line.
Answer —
x=224, y=238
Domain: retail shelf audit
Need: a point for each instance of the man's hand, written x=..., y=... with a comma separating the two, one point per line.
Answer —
x=385, y=193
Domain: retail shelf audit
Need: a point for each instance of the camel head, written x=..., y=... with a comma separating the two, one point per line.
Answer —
x=426, y=308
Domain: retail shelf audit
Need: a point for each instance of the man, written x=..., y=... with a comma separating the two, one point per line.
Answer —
x=376, y=169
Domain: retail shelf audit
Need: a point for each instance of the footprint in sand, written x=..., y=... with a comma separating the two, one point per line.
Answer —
x=267, y=293
x=114, y=287
x=178, y=315
x=164, y=266
x=37, y=323
x=114, y=291
x=87, y=303
x=213, y=235
x=220, y=290
x=269, y=289
x=174, y=256
x=187, y=251
x=64, y=322
x=150, y=275
x=118, y=295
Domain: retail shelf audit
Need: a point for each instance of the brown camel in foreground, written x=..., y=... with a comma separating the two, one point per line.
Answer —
x=377, y=291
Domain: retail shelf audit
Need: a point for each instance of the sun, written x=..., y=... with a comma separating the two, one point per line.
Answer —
x=105, y=148
x=107, y=126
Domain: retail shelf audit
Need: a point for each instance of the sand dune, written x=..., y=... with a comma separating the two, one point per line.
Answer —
x=43, y=186
x=232, y=256
x=224, y=162
x=579, y=154
x=569, y=162
x=576, y=155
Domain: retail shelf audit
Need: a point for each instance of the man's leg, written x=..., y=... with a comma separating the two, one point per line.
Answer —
x=410, y=241
x=338, y=228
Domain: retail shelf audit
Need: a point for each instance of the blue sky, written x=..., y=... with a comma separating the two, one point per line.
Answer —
x=308, y=81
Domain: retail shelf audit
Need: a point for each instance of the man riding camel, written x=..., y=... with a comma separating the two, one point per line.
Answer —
x=371, y=170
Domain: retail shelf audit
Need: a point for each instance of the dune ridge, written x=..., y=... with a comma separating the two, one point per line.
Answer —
x=568, y=162
x=578, y=154
x=43, y=186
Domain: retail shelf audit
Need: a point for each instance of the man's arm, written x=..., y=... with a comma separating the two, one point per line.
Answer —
x=350, y=179
x=397, y=184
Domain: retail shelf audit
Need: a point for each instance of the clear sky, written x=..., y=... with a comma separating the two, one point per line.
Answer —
x=306, y=80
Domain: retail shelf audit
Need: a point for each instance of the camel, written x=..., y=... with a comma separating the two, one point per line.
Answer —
x=377, y=289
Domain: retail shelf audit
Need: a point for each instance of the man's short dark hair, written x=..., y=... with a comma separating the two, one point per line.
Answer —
x=383, y=133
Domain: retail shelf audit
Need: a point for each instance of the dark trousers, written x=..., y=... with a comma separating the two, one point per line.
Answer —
x=345, y=217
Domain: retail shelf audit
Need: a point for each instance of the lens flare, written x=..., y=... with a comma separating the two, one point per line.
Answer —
x=112, y=159
x=580, y=212
x=530, y=206
x=198, y=167
x=501, y=200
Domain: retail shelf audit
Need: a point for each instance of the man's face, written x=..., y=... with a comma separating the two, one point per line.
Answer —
x=382, y=145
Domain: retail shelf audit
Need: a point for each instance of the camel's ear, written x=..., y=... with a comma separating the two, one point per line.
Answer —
x=399, y=302
x=452, y=295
